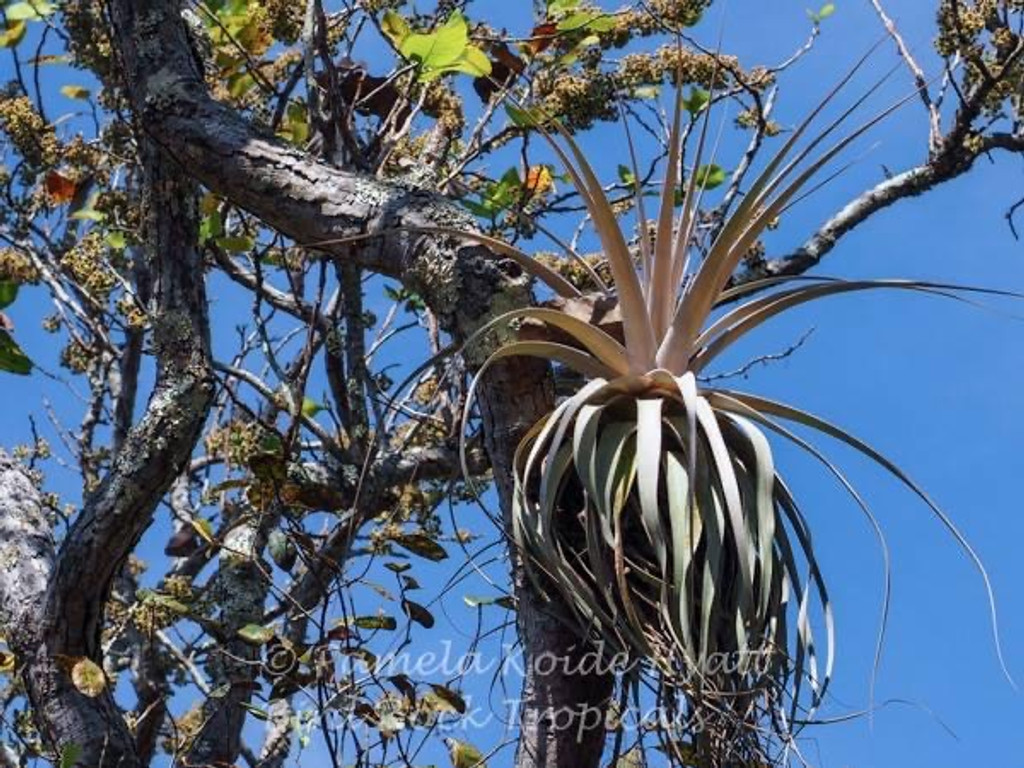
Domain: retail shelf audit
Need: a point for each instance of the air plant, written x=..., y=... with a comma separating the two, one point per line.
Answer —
x=649, y=500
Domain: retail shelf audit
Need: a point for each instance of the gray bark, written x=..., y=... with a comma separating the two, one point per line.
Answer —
x=314, y=203
x=54, y=602
x=57, y=599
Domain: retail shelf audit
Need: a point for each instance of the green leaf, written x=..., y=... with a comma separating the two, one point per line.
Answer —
x=311, y=407
x=441, y=48
x=376, y=622
x=88, y=214
x=13, y=35
x=395, y=27
x=282, y=550
x=450, y=697
x=465, y=755
x=826, y=10
x=474, y=62
x=75, y=92
x=297, y=123
x=474, y=601
x=69, y=754
x=409, y=583
x=524, y=118
x=235, y=243
x=240, y=84
x=256, y=634
x=626, y=175
x=12, y=359
x=556, y=7
x=34, y=10
x=594, y=21
x=398, y=567
x=116, y=240
x=446, y=50
x=421, y=545
x=710, y=176
x=696, y=101
x=606, y=22
x=258, y=713
x=8, y=293
x=204, y=528
x=211, y=226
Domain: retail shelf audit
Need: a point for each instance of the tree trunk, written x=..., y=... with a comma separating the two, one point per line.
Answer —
x=562, y=712
x=56, y=604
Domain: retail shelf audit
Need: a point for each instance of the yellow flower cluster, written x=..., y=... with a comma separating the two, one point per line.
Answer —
x=578, y=99
x=426, y=391
x=16, y=267
x=83, y=159
x=76, y=356
x=34, y=140
x=419, y=433
x=748, y=119
x=180, y=588
x=40, y=451
x=442, y=103
x=286, y=17
x=86, y=263
x=382, y=536
x=134, y=316
x=187, y=727
x=961, y=22
x=654, y=16
x=86, y=26
x=986, y=39
x=574, y=272
x=237, y=441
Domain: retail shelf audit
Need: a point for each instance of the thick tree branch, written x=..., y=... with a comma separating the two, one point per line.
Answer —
x=65, y=623
x=240, y=587
x=310, y=201
x=26, y=553
x=313, y=202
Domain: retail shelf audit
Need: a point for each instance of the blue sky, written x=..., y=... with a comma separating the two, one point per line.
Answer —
x=933, y=384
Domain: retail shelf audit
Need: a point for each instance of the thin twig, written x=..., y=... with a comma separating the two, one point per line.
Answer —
x=934, y=119
x=744, y=369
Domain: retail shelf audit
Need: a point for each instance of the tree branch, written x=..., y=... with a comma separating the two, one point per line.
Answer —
x=950, y=164
x=464, y=286
x=65, y=623
x=312, y=202
x=920, y=81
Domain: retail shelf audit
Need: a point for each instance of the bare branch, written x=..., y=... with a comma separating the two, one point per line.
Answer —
x=934, y=119
x=950, y=164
